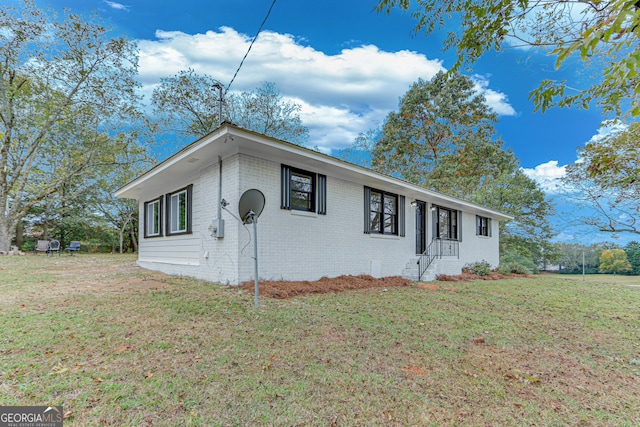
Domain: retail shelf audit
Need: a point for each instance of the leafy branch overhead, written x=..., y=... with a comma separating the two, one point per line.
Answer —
x=606, y=180
x=605, y=33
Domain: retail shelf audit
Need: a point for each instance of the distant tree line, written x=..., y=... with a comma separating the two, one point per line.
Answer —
x=607, y=257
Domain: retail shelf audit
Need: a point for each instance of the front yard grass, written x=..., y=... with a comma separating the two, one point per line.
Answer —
x=117, y=345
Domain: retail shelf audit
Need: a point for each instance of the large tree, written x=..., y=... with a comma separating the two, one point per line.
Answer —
x=614, y=261
x=66, y=87
x=607, y=31
x=443, y=138
x=189, y=104
x=633, y=255
x=434, y=119
x=606, y=180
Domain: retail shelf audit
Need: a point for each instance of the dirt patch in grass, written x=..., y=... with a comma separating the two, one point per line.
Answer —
x=289, y=289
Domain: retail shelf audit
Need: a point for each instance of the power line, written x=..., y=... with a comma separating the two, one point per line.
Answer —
x=250, y=46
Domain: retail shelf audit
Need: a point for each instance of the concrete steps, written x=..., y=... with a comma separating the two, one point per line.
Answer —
x=411, y=271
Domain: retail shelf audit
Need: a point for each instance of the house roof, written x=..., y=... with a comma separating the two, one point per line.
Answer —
x=229, y=139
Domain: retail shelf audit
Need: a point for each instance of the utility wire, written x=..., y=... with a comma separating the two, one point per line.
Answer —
x=250, y=46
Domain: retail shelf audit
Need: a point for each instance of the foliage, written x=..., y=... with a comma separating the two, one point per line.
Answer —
x=606, y=180
x=607, y=31
x=443, y=138
x=521, y=252
x=265, y=111
x=632, y=250
x=512, y=268
x=614, y=261
x=435, y=118
x=189, y=104
x=573, y=254
x=479, y=268
x=66, y=88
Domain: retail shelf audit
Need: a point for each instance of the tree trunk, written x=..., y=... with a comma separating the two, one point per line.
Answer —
x=5, y=236
x=134, y=240
x=20, y=234
x=45, y=230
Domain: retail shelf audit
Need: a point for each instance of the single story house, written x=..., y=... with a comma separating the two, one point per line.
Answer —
x=322, y=217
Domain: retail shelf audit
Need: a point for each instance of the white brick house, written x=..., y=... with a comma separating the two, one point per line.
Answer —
x=322, y=216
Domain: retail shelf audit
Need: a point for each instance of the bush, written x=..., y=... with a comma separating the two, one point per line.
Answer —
x=513, y=268
x=28, y=246
x=479, y=268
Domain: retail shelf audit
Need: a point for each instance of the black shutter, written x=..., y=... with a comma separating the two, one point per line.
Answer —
x=189, y=209
x=460, y=226
x=401, y=215
x=367, y=209
x=167, y=218
x=322, y=194
x=434, y=222
x=285, y=188
x=160, y=215
x=489, y=226
x=145, y=219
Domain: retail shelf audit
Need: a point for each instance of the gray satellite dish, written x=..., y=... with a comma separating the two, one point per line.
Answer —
x=251, y=205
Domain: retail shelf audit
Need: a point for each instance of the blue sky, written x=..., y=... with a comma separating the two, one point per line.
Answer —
x=347, y=66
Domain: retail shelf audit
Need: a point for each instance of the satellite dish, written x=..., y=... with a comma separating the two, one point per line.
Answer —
x=251, y=205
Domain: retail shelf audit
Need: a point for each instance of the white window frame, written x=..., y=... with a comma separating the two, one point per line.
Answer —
x=174, y=211
x=153, y=222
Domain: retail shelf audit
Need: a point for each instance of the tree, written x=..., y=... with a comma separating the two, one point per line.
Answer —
x=189, y=102
x=614, y=261
x=65, y=90
x=592, y=29
x=615, y=161
x=434, y=119
x=632, y=250
x=606, y=180
x=573, y=255
x=265, y=111
x=443, y=138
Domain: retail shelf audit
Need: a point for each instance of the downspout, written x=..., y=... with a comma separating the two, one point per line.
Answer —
x=219, y=188
x=217, y=225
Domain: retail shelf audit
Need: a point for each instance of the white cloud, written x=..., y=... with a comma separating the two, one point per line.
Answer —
x=115, y=5
x=547, y=175
x=341, y=95
x=498, y=101
x=607, y=129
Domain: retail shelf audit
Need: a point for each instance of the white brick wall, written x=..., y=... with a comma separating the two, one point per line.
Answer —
x=292, y=245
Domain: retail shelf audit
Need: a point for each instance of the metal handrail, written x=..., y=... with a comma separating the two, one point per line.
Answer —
x=437, y=249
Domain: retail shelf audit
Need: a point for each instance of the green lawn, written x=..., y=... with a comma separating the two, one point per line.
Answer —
x=121, y=346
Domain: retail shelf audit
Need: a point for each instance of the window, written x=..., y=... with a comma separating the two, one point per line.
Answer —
x=447, y=224
x=302, y=189
x=384, y=212
x=179, y=211
x=483, y=226
x=153, y=218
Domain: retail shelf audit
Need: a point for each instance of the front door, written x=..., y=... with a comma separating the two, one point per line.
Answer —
x=421, y=227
